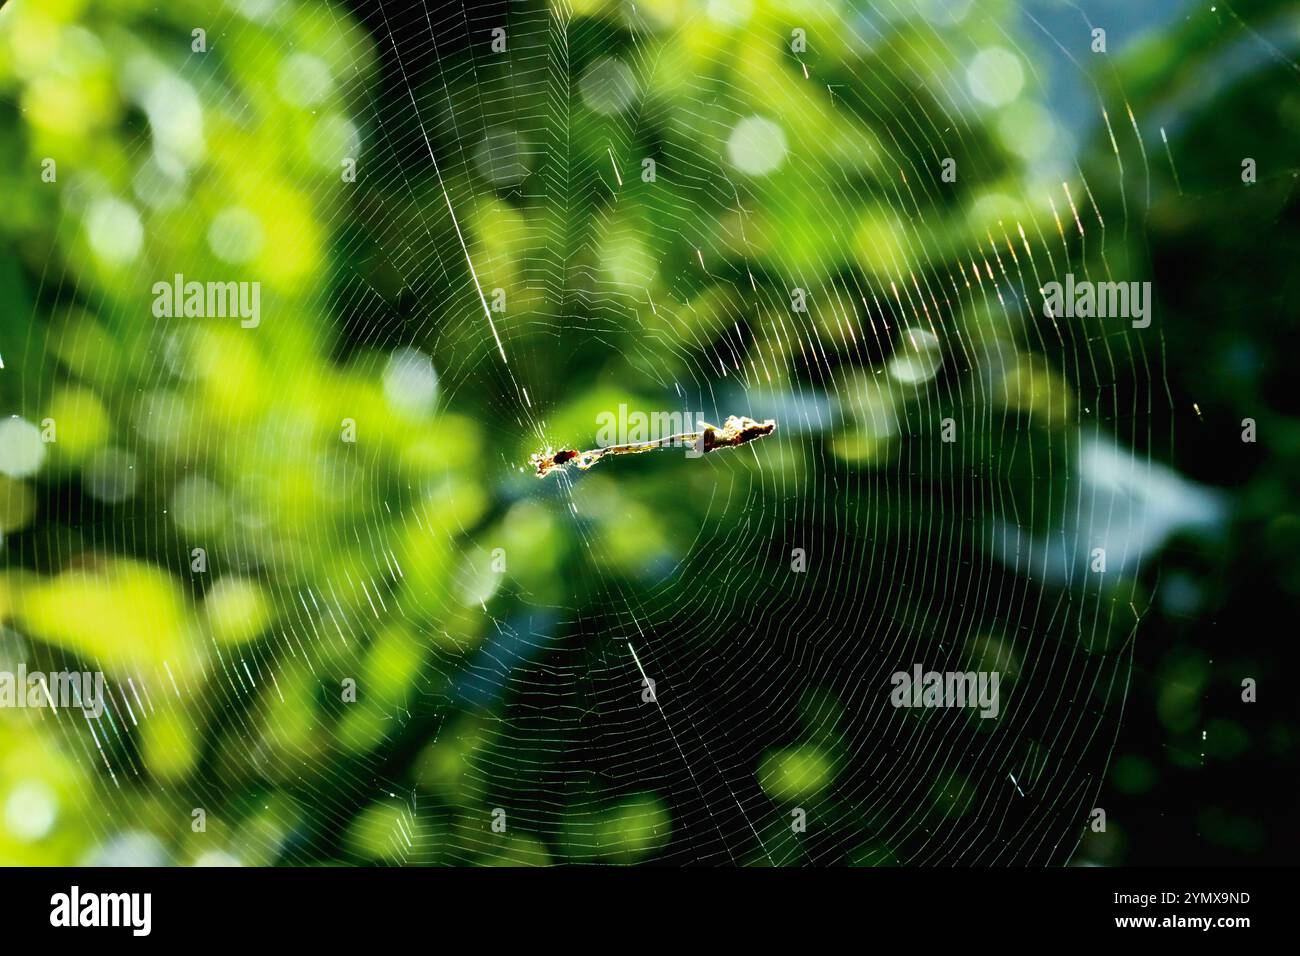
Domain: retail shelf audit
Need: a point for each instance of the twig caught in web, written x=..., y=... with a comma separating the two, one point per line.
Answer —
x=737, y=430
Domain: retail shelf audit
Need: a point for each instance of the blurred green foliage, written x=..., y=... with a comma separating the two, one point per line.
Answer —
x=374, y=561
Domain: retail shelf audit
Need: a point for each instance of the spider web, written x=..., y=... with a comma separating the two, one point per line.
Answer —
x=671, y=658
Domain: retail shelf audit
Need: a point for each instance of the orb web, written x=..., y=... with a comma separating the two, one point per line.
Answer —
x=556, y=211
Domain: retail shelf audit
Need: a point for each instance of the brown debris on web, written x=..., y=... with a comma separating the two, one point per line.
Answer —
x=546, y=462
x=735, y=431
